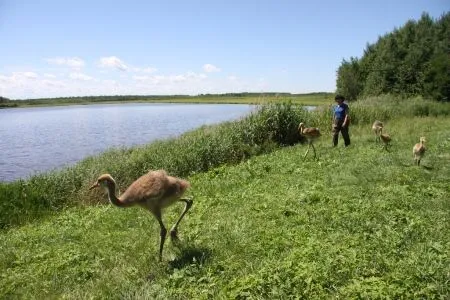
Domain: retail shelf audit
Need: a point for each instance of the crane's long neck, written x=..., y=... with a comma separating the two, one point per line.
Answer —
x=111, y=186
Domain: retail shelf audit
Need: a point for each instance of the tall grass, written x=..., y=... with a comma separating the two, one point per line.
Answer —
x=382, y=108
x=388, y=107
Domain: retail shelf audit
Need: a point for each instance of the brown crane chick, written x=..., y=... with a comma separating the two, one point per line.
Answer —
x=386, y=139
x=153, y=191
x=377, y=127
x=419, y=150
x=311, y=134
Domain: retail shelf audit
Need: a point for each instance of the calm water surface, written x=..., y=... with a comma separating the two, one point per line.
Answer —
x=34, y=140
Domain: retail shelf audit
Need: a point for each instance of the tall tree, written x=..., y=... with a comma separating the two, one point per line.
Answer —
x=411, y=60
x=349, y=79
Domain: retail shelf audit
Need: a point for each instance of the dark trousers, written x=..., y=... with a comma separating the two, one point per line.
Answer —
x=344, y=131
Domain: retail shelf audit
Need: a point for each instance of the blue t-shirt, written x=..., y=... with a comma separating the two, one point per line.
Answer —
x=340, y=111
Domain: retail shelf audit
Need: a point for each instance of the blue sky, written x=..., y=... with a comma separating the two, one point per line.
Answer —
x=53, y=48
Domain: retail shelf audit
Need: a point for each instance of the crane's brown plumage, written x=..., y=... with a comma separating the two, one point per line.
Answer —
x=386, y=139
x=377, y=127
x=419, y=150
x=311, y=134
x=154, y=191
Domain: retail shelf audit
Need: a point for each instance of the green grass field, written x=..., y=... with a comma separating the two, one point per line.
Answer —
x=359, y=222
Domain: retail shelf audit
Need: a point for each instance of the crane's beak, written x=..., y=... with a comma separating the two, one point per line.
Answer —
x=94, y=186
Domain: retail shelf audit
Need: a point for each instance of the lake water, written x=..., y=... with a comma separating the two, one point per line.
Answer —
x=34, y=140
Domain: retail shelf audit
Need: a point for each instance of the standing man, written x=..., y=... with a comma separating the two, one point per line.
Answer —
x=341, y=120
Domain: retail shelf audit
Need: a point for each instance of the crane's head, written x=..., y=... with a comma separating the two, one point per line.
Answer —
x=422, y=139
x=301, y=126
x=103, y=181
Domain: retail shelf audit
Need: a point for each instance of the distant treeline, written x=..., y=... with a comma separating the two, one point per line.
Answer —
x=88, y=99
x=412, y=60
x=5, y=102
x=272, y=94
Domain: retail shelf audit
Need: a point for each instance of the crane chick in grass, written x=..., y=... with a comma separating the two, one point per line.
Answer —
x=386, y=139
x=419, y=150
x=153, y=191
x=311, y=134
x=377, y=128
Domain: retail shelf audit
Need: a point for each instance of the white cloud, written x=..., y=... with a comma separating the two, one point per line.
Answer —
x=158, y=79
x=147, y=70
x=29, y=75
x=193, y=75
x=178, y=78
x=63, y=83
x=109, y=81
x=80, y=76
x=113, y=62
x=153, y=79
x=53, y=83
x=18, y=77
x=208, y=68
x=72, y=62
x=141, y=78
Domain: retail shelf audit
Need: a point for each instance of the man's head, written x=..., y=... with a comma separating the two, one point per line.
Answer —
x=339, y=98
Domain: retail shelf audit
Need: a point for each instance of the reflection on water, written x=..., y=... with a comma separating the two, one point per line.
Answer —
x=40, y=139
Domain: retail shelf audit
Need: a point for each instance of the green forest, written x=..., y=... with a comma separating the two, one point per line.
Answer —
x=410, y=61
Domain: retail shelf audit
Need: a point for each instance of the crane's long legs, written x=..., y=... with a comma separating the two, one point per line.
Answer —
x=314, y=149
x=163, y=232
x=310, y=145
x=174, y=229
x=307, y=150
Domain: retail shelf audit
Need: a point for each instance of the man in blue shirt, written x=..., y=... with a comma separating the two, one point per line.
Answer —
x=341, y=120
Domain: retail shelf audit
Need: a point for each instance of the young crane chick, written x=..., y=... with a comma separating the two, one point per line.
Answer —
x=377, y=127
x=419, y=150
x=311, y=134
x=153, y=191
x=385, y=138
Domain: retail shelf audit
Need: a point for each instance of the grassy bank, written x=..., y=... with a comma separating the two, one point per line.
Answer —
x=358, y=223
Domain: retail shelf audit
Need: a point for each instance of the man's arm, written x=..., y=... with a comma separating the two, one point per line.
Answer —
x=346, y=118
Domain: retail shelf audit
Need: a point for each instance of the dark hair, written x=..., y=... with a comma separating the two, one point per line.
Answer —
x=339, y=97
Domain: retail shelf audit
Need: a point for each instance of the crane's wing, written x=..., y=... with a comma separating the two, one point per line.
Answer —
x=311, y=132
x=149, y=186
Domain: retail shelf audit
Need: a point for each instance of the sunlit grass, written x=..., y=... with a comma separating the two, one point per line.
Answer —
x=359, y=222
